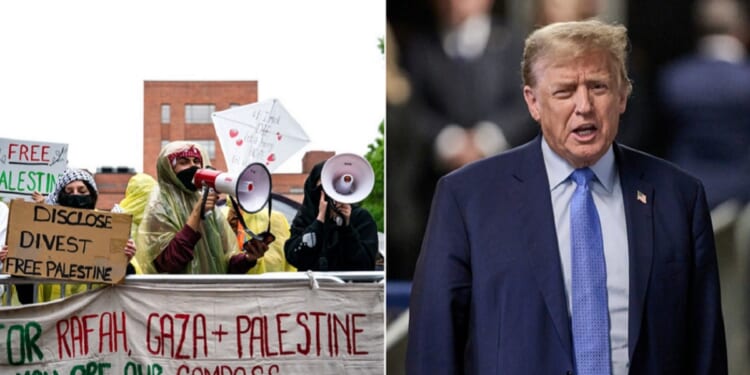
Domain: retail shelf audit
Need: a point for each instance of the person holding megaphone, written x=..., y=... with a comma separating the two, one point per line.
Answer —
x=330, y=231
x=180, y=231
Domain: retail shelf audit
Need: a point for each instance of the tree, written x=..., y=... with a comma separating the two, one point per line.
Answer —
x=375, y=201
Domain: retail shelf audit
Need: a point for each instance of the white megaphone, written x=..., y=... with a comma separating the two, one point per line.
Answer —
x=251, y=187
x=347, y=178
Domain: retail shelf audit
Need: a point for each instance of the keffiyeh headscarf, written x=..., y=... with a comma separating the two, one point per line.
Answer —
x=70, y=175
x=167, y=213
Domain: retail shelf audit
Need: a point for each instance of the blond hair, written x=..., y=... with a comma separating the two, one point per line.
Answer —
x=572, y=39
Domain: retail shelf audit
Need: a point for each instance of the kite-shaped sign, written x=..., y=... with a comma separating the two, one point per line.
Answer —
x=262, y=132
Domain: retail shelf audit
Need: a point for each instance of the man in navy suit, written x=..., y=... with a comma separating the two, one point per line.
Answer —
x=493, y=285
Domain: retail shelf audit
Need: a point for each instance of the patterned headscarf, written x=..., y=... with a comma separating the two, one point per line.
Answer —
x=70, y=175
x=49, y=292
x=190, y=152
x=167, y=213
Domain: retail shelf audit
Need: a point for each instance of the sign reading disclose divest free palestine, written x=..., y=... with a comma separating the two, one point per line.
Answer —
x=63, y=243
x=28, y=166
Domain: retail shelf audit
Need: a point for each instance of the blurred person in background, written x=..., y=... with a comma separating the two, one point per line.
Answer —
x=546, y=12
x=705, y=99
x=462, y=74
x=404, y=232
x=137, y=194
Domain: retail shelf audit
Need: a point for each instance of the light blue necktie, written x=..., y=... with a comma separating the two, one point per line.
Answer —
x=590, y=312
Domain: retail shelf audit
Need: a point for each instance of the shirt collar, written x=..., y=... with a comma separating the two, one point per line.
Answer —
x=559, y=170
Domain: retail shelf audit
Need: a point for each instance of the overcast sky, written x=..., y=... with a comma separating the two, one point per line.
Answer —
x=73, y=71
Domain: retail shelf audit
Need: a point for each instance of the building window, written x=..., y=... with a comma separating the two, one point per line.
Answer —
x=208, y=146
x=165, y=115
x=199, y=113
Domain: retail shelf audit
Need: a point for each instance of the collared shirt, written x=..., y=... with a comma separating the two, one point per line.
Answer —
x=607, y=194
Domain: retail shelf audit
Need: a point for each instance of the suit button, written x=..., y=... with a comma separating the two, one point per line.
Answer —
x=569, y=372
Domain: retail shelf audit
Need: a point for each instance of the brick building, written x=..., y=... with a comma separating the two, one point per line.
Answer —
x=181, y=110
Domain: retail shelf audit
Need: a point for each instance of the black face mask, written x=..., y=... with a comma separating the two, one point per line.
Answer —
x=76, y=201
x=186, y=177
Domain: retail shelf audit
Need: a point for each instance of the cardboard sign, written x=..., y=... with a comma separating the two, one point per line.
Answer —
x=28, y=166
x=219, y=329
x=57, y=242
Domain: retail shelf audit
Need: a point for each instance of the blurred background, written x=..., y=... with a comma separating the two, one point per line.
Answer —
x=454, y=96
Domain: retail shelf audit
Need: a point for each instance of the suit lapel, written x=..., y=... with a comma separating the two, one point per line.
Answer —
x=534, y=207
x=637, y=195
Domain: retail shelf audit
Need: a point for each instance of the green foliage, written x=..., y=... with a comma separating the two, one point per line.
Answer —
x=375, y=201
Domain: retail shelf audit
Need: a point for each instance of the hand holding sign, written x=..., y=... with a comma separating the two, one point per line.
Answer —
x=64, y=243
x=30, y=166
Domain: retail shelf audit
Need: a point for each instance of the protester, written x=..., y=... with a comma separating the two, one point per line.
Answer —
x=274, y=259
x=571, y=253
x=76, y=188
x=181, y=232
x=137, y=195
x=705, y=100
x=328, y=239
x=463, y=106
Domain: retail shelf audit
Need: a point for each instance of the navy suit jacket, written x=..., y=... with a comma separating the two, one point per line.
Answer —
x=488, y=294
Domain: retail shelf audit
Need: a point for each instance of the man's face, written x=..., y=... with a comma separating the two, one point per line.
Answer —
x=578, y=103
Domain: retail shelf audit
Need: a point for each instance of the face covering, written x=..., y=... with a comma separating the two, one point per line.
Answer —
x=76, y=201
x=186, y=177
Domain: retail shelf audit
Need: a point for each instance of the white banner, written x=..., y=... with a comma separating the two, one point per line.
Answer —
x=227, y=329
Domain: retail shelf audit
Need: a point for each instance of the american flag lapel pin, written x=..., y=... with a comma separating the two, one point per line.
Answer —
x=641, y=197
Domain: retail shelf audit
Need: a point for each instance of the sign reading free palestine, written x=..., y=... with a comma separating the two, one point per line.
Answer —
x=28, y=166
